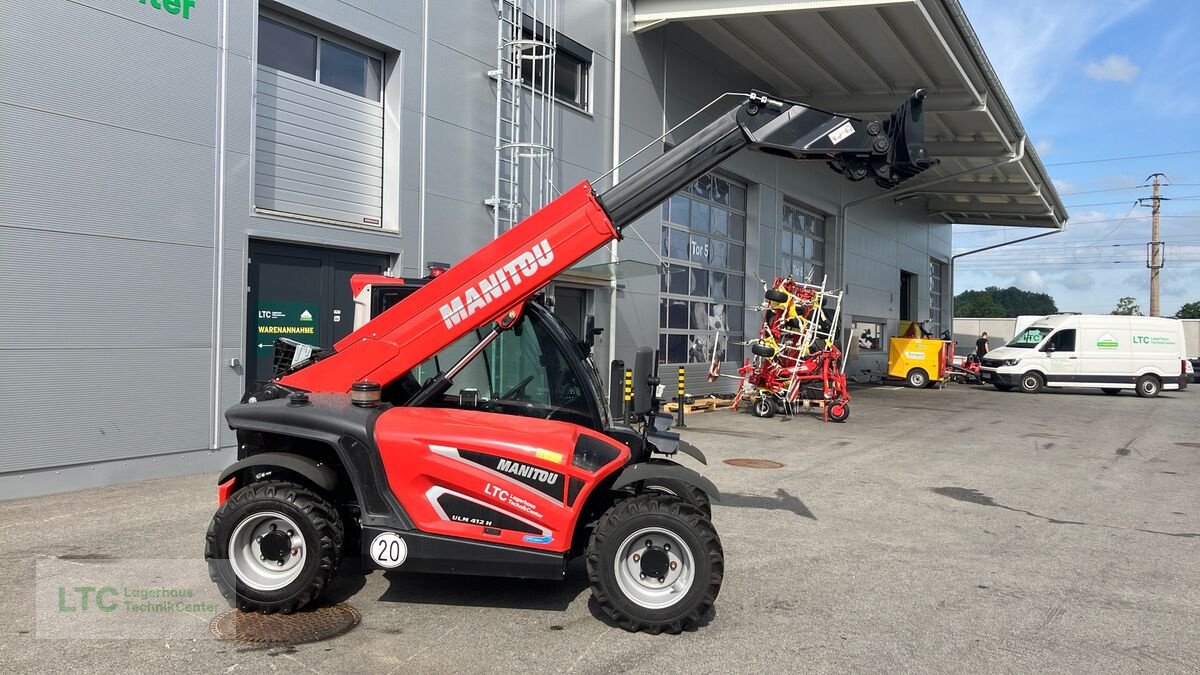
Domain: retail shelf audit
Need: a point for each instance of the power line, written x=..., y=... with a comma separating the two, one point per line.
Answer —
x=1121, y=159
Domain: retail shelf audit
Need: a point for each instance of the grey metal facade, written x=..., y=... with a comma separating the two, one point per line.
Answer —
x=129, y=200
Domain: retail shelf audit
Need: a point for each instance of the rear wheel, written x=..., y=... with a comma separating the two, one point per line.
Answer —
x=655, y=563
x=685, y=491
x=1148, y=386
x=273, y=546
x=838, y=412
x=764, y=407
x=917, y=378
x=1032, y=383
x=1110, y=392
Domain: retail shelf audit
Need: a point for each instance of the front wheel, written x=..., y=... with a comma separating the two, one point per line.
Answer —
x=1148, y=386
x=1032, y=383
x=273, y=547
x=685, y=491
x=655, y=563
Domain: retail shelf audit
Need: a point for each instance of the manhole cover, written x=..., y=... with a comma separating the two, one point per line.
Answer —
x=285, y=629
x=754, y=463
x=1189, y=445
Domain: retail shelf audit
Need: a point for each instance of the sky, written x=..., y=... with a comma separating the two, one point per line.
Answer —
x=1093, y=80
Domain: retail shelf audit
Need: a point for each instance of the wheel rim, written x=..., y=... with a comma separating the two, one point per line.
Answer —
x=649, y=551
x=1149, y=387
x=763, y=406
x=1030, y=382
x=917, y=379
x=267, y=551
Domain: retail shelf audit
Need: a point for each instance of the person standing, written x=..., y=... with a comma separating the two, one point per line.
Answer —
x=981, y=345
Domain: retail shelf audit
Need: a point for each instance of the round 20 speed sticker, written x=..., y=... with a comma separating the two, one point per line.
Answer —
x=389, y=550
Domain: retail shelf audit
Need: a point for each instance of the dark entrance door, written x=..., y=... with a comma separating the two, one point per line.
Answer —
x=908, y=287
x=570, y=305
x=301, y=293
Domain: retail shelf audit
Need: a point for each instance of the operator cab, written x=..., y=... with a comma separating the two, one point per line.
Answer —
x=538, y=368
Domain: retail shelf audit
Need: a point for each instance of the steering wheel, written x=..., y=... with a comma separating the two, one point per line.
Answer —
x=518, y=389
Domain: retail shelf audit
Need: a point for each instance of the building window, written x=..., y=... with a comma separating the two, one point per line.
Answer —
x=936, y=273
x=303, y=54
x=702, y=289
x=571, y=72
x=869, y=335
x=802, y=244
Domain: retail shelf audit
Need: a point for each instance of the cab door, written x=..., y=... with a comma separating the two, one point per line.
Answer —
x=1062, y=360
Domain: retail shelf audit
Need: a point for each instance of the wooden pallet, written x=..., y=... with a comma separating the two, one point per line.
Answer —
x=706, y=404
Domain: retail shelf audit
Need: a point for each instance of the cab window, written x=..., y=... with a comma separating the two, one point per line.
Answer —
x=522, y=372
x=1063, y=340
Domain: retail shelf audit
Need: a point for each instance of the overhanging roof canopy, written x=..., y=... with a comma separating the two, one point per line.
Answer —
x=862, y=57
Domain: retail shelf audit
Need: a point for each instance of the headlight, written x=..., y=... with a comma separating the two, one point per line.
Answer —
x=1010, y=362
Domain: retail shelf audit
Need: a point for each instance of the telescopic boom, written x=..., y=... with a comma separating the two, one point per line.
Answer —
x=492, y=284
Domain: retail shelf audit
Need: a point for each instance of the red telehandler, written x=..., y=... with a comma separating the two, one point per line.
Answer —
x=365, y=449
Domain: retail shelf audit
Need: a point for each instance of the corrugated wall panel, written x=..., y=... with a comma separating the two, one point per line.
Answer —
x=134, y=403
x=111, y=292
x=318, y=152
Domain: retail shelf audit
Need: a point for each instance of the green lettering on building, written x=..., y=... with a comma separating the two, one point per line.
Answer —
x=180, y=7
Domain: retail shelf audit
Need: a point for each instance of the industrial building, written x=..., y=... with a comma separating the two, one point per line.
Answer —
x=185, y=180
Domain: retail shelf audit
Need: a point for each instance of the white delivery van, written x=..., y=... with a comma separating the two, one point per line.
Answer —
x=1113, y=353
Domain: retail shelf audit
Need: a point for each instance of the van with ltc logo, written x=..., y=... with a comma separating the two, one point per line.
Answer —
x=1113, y=353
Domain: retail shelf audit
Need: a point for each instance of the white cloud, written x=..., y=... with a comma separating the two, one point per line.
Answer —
x=1030, y=280
x=1078, y=281
x=1033, y=43
x=1044, y=146
x=1112, y=68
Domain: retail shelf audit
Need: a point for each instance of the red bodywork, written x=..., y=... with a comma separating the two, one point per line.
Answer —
x=486, y=286
x=430, y=452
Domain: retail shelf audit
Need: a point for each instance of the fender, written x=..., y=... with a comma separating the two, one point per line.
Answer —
x=662, y=469
x=319, y=474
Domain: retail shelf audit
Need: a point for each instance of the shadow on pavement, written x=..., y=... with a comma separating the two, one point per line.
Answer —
x=782, y=501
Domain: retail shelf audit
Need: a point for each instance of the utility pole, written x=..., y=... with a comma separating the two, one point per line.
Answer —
x=1154, y=249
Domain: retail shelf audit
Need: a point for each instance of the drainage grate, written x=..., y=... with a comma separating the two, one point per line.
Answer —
x=754, y=463
x=285, y=629
x=1189, y=445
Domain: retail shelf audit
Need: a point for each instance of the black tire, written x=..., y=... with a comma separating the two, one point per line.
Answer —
x=321, y=529
x=764, y=407
x=688, y=525
x=1002, y=387
x=775, y=295
x=838, y=412
x=765, y=351
x=1148, y=386
x=917, y=378
x=1032, y=382
x=1110, y=392
x=685, y=491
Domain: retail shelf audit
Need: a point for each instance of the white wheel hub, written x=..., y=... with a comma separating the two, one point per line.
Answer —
x=654, y=568
x=267, y=551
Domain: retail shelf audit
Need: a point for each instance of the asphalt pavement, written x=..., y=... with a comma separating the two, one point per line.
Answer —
x=957, y=530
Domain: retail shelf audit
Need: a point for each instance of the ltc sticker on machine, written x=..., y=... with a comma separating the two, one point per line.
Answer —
x=295, y=320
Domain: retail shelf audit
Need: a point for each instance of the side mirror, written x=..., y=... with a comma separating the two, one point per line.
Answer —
x=590, y=332
x=645, y=381
x=1049, y=348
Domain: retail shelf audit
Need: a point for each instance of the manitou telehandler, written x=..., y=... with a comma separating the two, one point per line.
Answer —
x=365, y=449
